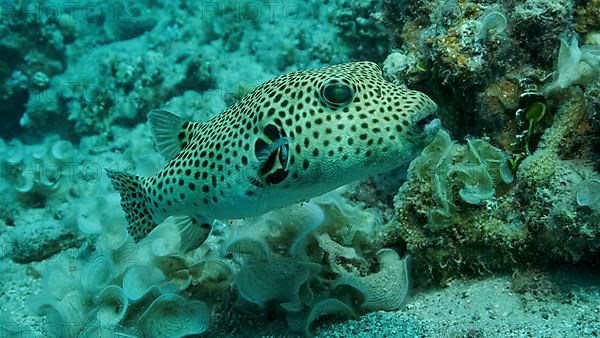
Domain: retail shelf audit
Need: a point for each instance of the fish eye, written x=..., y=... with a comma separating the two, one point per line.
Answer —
x=336, y=94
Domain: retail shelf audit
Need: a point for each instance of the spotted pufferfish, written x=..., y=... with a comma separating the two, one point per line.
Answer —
x=294, y=137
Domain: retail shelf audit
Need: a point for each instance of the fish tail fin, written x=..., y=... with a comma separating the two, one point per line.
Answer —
x=137, y=213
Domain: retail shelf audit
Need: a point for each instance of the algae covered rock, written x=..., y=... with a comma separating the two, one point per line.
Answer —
x=451, y=211
x=464, y=210
x=33, y=48
x=40, y=238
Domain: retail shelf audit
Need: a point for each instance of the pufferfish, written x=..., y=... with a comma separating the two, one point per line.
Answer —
x=294, y=137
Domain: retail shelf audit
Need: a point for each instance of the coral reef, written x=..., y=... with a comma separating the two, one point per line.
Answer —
x=127, y=59
x=454, y=226
x=452, y=212
x=569, y=231
x=505, y=76
x=361, y=27
x=118, y=88
x=452, y=48
x=33, y=48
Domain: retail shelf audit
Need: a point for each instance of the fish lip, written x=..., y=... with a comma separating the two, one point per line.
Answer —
x=432, y=128
x=423, y=122
x=428, y=124
x=428, y=132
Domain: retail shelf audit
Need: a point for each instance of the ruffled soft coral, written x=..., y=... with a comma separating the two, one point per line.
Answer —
x=385, y=290
x=313, y=259
x=289, y=260
x=575, y=65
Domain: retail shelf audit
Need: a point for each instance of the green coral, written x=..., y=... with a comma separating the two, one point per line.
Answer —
x=312, y=258
x=472, y=171
x=450, y=211
x=536, y=169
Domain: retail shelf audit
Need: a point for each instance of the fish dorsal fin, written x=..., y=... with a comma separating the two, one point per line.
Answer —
x=170, y=132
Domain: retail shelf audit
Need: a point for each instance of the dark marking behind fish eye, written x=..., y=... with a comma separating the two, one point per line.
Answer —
x=275, y=161
x=272, y=132
x=277, y=177
x=259, y=147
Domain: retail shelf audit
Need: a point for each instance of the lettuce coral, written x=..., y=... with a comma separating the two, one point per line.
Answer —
x=105, y=286
x=35, y=171
x=453, y=213
x=303, y=257
x=384, y=290
x=472, y=171
x=308, y=261
x=171, y=315
x=461, y=212
x=576, y=65
x=112, y=307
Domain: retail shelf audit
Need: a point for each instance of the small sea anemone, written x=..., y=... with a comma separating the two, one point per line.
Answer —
x=171, y=315
x=492, y=23
x=575, y=65
x=113, y=306
x=588, y=194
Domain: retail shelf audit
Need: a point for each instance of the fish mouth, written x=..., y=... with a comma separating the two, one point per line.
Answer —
x=422, y=124
x=428, y=127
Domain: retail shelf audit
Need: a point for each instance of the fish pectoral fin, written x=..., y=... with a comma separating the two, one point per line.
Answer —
x=170, y=132
x=192, y=231
x=273, y=161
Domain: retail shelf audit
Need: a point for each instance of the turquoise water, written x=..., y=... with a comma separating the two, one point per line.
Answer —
x=443, y=183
